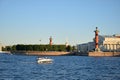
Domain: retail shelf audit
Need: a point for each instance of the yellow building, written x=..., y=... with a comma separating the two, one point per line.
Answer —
x=111, y=43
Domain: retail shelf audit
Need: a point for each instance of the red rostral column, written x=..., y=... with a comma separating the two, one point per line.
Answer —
x=96, y=39
x=50, y=41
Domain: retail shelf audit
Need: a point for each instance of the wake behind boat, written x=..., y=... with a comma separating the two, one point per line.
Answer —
x=44, y=60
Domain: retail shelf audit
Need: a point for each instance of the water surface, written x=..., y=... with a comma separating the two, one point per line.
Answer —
x=21, y=67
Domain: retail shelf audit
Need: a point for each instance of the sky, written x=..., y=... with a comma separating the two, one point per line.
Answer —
x=74, y=21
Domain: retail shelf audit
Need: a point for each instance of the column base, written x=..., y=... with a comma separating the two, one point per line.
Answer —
x=97, y=49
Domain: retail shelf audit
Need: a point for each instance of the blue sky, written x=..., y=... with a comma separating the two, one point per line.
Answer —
x=29, y=21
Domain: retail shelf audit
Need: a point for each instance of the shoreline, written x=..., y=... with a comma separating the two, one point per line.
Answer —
x=43, y=53
x=64, y=53
x=104, y=54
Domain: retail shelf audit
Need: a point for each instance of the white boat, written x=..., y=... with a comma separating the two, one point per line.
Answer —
x=44, y=60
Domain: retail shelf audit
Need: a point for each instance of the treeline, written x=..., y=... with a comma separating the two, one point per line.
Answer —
x=22, y=47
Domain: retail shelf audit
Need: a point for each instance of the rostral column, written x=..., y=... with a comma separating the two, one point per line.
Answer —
x=50, y=41
x=96, y=40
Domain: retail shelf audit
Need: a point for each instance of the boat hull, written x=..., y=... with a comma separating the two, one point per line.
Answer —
x=42, y=60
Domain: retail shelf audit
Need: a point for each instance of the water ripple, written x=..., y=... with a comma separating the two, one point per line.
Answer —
x=17, y=67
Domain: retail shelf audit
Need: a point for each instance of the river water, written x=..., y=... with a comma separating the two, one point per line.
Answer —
x=22, y=67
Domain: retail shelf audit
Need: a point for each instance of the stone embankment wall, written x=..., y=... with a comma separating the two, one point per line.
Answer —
x=104, y=54
x=42, y=53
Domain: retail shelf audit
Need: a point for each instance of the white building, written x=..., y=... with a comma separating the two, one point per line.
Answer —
x=106, y=43
x=86, y=47
x=0, y=47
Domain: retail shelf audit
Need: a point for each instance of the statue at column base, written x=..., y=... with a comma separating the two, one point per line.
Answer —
x=97, y=49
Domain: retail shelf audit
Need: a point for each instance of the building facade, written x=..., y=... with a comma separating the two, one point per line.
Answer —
x=111, y=43
x=0, y=47
x=86, y=47
x=106, y=43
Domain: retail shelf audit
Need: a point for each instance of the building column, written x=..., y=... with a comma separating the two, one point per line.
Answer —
x=107, y=47
x=112, y=47
x=115, y=47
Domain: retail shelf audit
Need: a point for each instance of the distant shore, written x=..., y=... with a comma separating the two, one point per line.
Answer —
x=63, y=53
x=43, y=53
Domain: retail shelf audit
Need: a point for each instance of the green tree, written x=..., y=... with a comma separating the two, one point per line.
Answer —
x=21, y=47
x=14, y=48
x=29, y=47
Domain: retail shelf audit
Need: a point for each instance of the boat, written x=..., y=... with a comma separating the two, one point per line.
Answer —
x=44, y=60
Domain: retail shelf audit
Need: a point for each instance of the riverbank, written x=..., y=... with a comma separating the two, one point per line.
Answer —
x=63, y=53
x=5, y=52
x=43, y=53
x=104, y=54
